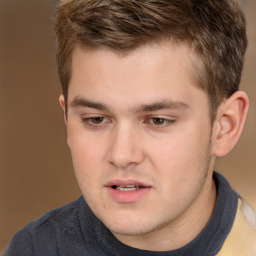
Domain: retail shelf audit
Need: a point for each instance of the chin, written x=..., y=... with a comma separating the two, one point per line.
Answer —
x=127, y=226
x=129, y=231
x=137, y=227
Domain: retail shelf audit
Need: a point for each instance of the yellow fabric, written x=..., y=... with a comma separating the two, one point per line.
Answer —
x=241, y=241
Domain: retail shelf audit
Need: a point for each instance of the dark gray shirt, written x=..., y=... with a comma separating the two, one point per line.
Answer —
x=73, y=230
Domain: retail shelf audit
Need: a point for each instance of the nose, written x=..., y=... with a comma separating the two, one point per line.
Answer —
x=125, y=147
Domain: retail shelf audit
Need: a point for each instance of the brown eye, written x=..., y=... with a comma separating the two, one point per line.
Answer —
x=158, y=121
x=97, y=119
x=96, y=122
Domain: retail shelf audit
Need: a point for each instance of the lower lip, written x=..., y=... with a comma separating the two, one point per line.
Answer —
x=128, y=196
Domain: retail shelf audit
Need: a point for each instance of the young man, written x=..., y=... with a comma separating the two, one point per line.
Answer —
x=150, y=99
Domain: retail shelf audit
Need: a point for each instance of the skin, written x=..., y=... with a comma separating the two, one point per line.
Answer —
x=139, y=117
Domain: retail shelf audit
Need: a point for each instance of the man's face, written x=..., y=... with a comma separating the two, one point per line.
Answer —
x=139, y=133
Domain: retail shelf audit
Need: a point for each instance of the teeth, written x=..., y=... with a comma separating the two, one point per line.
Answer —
x=127, y=188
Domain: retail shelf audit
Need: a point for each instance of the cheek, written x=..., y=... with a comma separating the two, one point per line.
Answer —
x=84, y=146
x=87, y=168
x=182, y=158
x=175, y=151
x=87, y=155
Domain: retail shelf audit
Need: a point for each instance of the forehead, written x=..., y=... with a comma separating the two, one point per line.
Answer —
x=155, y=56
x=161, y=71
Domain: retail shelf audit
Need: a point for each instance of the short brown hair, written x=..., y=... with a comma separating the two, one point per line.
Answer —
x=214, y=29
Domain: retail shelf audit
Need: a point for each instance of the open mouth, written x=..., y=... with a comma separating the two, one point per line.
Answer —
x=128, y=187
x=127, y=191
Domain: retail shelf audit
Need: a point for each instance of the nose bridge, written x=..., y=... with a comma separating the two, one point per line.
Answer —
x=125, y=148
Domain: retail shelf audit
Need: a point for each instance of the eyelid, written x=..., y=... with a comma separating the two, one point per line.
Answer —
x=167, y=121
x=87, y=120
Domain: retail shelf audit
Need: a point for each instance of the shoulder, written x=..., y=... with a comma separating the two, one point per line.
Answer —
x=61, y=219
x=242, y=238
x=44, y=233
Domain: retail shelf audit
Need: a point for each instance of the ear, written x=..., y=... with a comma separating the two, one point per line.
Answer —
x=229, y=123
x=62, y=104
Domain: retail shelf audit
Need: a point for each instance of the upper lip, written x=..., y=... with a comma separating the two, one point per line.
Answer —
x=119, y=182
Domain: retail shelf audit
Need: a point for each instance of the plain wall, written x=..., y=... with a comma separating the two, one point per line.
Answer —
x=36, y=172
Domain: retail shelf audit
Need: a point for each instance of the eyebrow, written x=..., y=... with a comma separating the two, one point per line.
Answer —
x=161, y=105
x=81, y=102
x=165, y=104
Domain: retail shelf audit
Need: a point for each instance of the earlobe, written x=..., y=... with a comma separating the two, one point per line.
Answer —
x=229, y=123
x=63, y=106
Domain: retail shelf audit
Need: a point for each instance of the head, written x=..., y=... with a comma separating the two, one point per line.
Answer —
x=214, y=30
x=150, y=99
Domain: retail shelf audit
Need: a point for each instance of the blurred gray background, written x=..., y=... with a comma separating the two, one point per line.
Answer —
x=36, y=172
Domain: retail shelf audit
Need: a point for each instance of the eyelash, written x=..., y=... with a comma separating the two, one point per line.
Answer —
x=89, y=121
x=103, y=120
x=165, y=122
